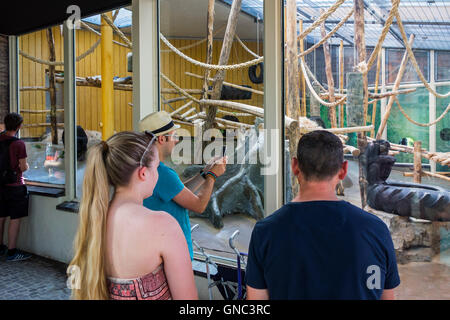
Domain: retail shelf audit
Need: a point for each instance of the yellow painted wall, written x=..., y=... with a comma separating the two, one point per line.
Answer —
x=89, y=98
x=175, y=67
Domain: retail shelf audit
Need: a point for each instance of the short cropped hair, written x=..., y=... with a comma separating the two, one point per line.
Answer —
x=320, y=155
x=12, y=121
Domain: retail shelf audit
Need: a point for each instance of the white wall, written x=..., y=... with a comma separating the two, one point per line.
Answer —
x=47, y=232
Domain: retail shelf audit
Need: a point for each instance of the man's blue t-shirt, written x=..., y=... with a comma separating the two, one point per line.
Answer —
x=322, y=250
x=167, y=187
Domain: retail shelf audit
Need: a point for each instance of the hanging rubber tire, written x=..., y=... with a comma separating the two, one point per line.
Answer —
x=252, y=73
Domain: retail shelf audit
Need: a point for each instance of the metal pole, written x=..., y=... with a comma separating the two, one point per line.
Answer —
x=273, y=105
x=432, y=111
x=70, y=112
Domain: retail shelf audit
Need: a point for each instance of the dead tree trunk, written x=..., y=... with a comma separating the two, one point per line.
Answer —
x=223, y=59
x=209, y=48
x=52, y=88
x=417, y=162
x=330, y=81
x=292, y=85
x=360, y=44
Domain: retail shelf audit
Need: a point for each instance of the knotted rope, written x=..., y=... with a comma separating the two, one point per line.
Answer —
x=311, y=89
x=211, y=66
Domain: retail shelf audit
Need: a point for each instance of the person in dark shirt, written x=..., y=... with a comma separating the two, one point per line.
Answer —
x=318, y=247
x=14, y=194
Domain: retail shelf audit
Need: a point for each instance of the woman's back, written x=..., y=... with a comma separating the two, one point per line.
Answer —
x=122, y=240
x=141, y=246
x=132, y=241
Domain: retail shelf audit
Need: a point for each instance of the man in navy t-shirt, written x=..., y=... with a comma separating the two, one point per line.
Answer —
x=318, y=247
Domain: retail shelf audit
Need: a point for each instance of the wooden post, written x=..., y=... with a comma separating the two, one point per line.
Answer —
x=52, y=88
x=341, y=82
x=314, y=105
x=417, y=162
x=374, y=107
x=107, y=78
x=223, y=59
x=302, y=79
x=329, y=72
x=360, y=44
x=209, y=48
x=292, y=95
x=396, y=85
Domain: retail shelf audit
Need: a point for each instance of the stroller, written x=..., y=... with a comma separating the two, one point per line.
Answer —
x=228, y=279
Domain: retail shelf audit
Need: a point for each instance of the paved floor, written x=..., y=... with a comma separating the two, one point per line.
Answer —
x=43, y=279
x=33, y=279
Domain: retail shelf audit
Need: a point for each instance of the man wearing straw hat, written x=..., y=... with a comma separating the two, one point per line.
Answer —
x=171, y=194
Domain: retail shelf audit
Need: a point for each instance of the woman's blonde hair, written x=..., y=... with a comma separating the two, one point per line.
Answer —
x=109, y=163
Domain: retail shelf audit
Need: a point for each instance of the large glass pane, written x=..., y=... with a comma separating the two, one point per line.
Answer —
x=442, y=127
x=402, y=131
x=394, y=59
x=433, y=257
x=442, y=65
x=89, y=80
x=237, y=198
x=38, y=82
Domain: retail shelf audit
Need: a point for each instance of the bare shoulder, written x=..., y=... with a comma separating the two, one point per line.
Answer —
x=161, y=220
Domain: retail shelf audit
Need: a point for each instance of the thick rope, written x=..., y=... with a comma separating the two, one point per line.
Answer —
x=328, y=104
x=415, y=64
x=181, y=91
x=314, y=78
x=88, y=27
x=117, y=30
x=386, y=28
x=246, y=48
x=60, y=63
x=196, y=43
x=210, y=66
x=321, y=19
x=429, y=124
x=329, y=34
x=79, y=58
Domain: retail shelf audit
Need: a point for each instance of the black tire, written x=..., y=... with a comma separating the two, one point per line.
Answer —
x=419, y=201
x=252, y=73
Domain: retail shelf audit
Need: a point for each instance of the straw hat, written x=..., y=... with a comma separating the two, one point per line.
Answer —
x=159, y=123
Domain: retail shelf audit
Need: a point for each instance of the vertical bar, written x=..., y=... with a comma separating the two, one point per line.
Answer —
x=383, y=90
x=417, y=162
x=70, y=151
x=341, y=82
x=273, y=104
x=14, y=97
x=432, y=111
x=145, y=35
x=107, y=78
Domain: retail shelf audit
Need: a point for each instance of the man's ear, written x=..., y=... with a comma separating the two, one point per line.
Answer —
x=294, y=166
x=160, y=139
x=343, y=171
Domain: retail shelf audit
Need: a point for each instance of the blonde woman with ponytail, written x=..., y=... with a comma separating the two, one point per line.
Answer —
x=123, y=250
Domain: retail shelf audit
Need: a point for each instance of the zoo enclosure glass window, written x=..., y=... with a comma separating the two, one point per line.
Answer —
x=43, y=111
x=89, y=107
x=183, y=25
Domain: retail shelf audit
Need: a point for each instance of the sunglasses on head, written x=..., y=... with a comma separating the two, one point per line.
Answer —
x=151, y=134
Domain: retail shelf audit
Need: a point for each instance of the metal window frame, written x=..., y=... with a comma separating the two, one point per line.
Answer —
x=14, y=97
x=70, y=160
x=273, y=101
x=146, y=59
